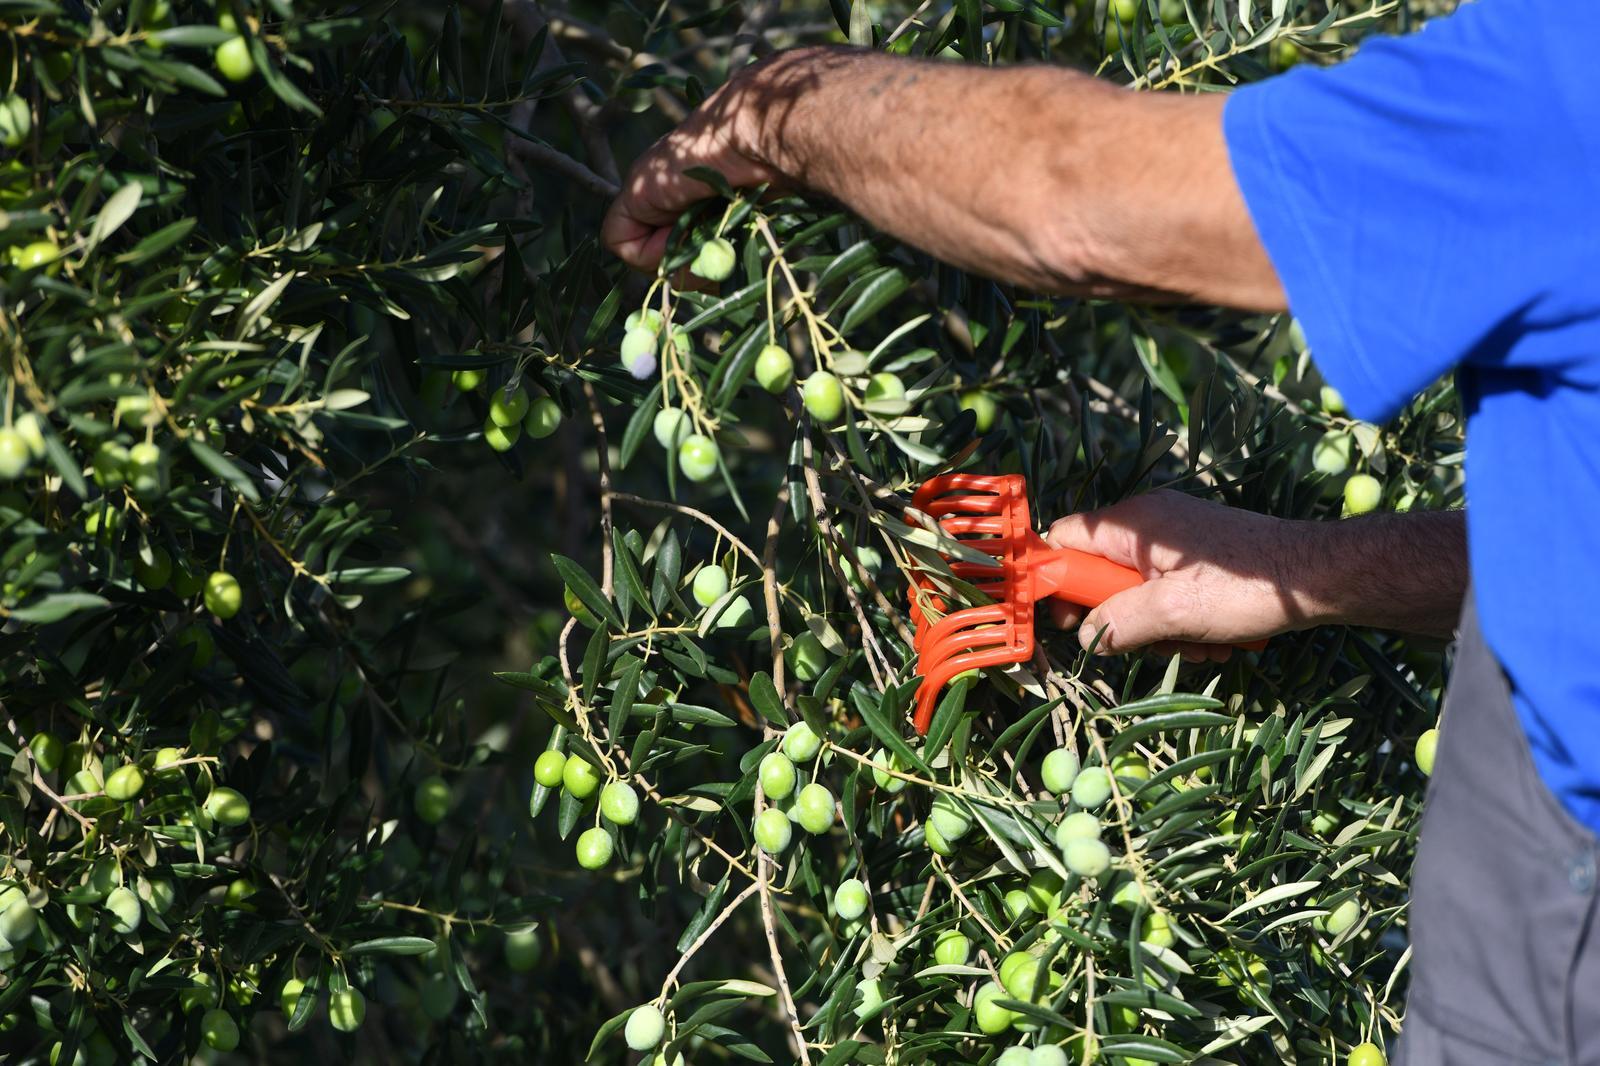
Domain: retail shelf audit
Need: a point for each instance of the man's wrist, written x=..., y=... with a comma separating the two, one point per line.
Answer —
x=772, y=124
x=1404, y=572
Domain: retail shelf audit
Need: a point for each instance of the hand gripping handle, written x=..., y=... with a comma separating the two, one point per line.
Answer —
x=1087, y=579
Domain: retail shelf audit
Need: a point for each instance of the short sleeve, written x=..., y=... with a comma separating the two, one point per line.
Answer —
x=1430, y=200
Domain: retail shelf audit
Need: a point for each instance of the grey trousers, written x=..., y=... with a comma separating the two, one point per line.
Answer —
x=1504, y=926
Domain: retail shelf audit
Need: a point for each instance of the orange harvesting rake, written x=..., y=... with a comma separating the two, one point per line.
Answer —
x=990, y=513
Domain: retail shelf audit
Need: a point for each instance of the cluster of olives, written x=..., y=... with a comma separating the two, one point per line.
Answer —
x=824, y=393
x=125, y=901
x=219, y=590
x=580, y=779
x=511, y=412
x=673, y=427
x=1331, y=456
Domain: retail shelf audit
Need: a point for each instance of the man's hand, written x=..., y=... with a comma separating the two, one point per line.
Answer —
x=718, y=135
x=1218, y=576
x=1035, y=175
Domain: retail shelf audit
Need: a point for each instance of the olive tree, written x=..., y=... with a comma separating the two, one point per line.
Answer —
x=311, y=355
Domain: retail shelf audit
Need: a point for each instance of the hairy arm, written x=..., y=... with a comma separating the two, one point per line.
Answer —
x=1217, y=575
x=1036, y=175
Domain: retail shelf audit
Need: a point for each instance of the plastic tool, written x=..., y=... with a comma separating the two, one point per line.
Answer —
x=990, y=513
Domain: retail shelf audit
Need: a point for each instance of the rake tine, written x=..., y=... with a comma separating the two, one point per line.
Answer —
x=957, y=525
x=966, y=505
x=943, y=673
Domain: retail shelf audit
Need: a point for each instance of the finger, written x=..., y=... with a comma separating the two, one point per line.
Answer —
x=1109, y=531
x=1145, y=614
x=639, y=245
x=1064, y=615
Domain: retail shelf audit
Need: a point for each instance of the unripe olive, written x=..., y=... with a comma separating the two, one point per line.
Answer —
x=38, y=254
x=1362, y=493
x=992, y=1018
x=824, y=397
x=801, y=743
x=48, y=751
x=777, y=775
x=850, y=899
x=289, y=996
x=155, y=574
x=198, y=639
x=217, y=1026
x=710, y=582
x=238, y=894
x=645, y=1027
x=638, y=352
x=125, y=909
x=671, y=427
x=807, y=657
x=544, y=415
x=774, y=369
x=432, y=799
x=1077, y=826
x=697, y=457
x=125, y=782
x=815, y=808
x=110, y=465
x=227, y=807
x=952, y=948
x=1086, y=856
x=983, y=407
x=773, y=831
x=501, y=438
x=1427, y=745
x=580, y=778
x=1157, y=930
x=882, y=763
x=1091, y=788
x=714, y=261
x=619, y=803
x=1059, y=770
x=1042, y=888
x=595, y=848
x=223, y=596
x=1331, y=454
x=1342, y=917
x=949, y=818
x=234, y=61
x=523, y=949
x=508, y=407
x=17, y=918
x=347, y=1010
x=1368, y=1054
x=16, y=120
x=884, y=387
x=548, y=768
x=14, y=454
x=649, y=320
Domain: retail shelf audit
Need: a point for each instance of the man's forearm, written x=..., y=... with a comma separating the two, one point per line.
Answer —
x=1036, y=175
x=1405, y=572
x=1219, y=575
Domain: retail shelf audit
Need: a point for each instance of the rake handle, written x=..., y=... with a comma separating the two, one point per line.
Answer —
x=1089, y=580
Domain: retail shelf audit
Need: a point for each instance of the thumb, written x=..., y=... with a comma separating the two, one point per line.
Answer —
x=1110, y=531
x=1135, y=618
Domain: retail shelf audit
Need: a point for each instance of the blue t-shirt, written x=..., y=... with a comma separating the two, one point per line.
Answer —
x=1434, y=204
